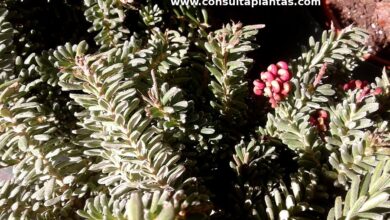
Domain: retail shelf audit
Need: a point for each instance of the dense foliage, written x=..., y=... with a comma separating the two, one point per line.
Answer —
x=149, y=113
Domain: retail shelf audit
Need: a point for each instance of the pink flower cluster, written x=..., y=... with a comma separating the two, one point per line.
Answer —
x=274, y=83
x=363, y=86
x=320, y=119
x=356, y=84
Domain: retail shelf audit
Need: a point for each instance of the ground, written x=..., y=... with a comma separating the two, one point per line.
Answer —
x=373, y=15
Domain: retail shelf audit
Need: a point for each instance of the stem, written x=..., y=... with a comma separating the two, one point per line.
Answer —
x=155, y=89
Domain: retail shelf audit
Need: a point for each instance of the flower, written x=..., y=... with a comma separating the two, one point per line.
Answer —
x=355, y=84
x=274, y=83
x=320, y=119
x=363, y=87
x=378, y=91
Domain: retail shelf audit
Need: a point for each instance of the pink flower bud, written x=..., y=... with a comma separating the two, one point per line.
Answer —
x=272, y=69
x=257, y=91
x=262, y=76
x=273, y=103
x=267, y=76
x=378, y=91
x=286, y=88
x=312, y=121
x=359, y=84
x=277, y=97
x=346, y=87
x=352, y=84
x=275, y=86
x=267, y=92
x=282, y=65
x=284, y=75
x=322, y=114
x=258, y=84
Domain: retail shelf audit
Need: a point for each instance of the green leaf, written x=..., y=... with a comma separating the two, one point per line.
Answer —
x=374, y=202
x=82, y=47
x=52, y=201
x=338, y=212
x=207, y=131
x=167, y=212
x=42, y=137
x=369, y=107
x=215, y=72
x=23, y=143
x=326, y=90
x=49, y=188
x=134, y=207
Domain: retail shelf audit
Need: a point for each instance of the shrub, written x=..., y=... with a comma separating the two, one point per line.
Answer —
x=153, y=118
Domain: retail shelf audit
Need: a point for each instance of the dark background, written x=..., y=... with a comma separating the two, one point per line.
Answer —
x=287, y=28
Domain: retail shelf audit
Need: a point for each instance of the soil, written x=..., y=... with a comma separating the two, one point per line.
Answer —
x=373, y=15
